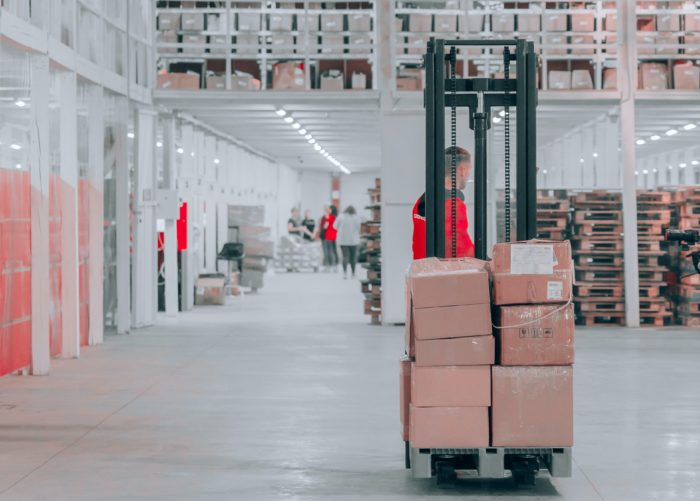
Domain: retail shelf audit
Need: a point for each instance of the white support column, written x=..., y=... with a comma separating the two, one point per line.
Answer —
x=170, y=240
x=96, y=156
x=187, y=188
x=385, y=73
x=39, y=169
x=627, y=75
x=121, y=174
x=70, y=297
x=210, y=188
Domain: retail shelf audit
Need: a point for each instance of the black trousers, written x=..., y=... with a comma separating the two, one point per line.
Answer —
x=349, y=257
x=330, y=253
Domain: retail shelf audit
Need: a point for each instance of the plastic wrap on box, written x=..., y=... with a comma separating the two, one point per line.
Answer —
x=451, y=386
x=536, y=335
x=532, y=407
x=475, y=350
x=449, y=427
x=448, y=282
x=405, y=395
x=209, y=291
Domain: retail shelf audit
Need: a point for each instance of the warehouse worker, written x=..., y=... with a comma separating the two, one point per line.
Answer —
x=294, y=226
x=465, y=246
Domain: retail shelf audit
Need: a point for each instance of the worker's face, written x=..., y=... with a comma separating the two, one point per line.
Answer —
x=327, y=210
x=464, y=170
x=295, y=213
x=307, y=214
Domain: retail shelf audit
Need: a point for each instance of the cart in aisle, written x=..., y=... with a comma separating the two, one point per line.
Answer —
x=295, y=254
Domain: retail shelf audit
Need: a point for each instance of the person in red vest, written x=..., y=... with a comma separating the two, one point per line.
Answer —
x=465, y=246
x=330, y=251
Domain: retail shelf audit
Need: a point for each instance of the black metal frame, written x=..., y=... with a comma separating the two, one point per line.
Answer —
x=472, y=92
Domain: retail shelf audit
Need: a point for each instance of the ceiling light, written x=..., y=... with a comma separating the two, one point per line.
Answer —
x=180, y=151
x=670, y=167
x=312, y=141
x=636, y=173
x=308, y=136
x=302, y=131
x=15, y=146
x=344, y=169
x=595, y=155
x=322, y=151
x=694, y=162
x=217, y=161
x=655, y=137
x=496, y=120
x=690, y=126
x=502, y=113
x=544, y=171
x=671, y=132
x=18, y=166
x=645, y=171
x=683, y=166
x=641, y=142
x=192, y=154
x=159, y=144
x=281, y=112
x=288, y=120
x=317, y=147
x=326, y=154
x=654, y=171
x=581, y=160
x=296, y=125
x=130, y=135
x=20, y=104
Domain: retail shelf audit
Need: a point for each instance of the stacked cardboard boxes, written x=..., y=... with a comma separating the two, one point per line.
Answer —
x=450, y=350
x=689, y=283
x=532, y=387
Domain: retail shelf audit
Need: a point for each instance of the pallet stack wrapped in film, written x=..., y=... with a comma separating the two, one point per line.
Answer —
x=463, y=387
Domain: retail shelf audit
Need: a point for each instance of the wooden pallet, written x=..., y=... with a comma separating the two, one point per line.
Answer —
x=650, y=261
x=689, y=309
x=615, y=276
x=653, y=305
x=660, y=216
x=654, y=197
x=553, y=205
x=689, y=292
x=648, y=291
x=598, y=261
x=374, y=275
x=551, y=224
x=599, y=197
x=655, y=320
x=689, y=321
x=599, y=229
x=597, y=216
x=598, y=319
x=375, y=195
x=607, y=245
x=651, y=276
x=586, y=290
x=649, y=246
x=600, y=305
x=552, y=234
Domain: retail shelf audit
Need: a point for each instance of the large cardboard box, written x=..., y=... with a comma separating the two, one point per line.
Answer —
x=686, y=77
x=532, y=272
x=451, y=321
x=193, y=44
x=449, y=427
x=216, y=82
x=359, y=22
x=420, y=23
x=332, y=81
x=667, y=44
x=405, y=394
x=502, y=23
x=169, y=21
x=536, y=335
x=578, y=41
x=331, y=22
x=609, y=78
x=645, y=44
x=244, y=81
x=359, y=81
x=610, y=22
x=218, y=44
x=654, y=76
x=288, y=76
x=559, y=80
x=186, y=81
x=532, y=407
x=451, y=386
x=692, y=44
x=445, y=23
x=668, y=22
x=581, y=80
x=555, y=44
x=476, y=350
x=169, y=36
x=583, y=22
x=692, y=22
x=529, y=23
x=307, y=22
x=192, y=21
x=359, y=43
x=554, y=22
x=611, y=44
x=209, y=291
x=247, y=43
x=249, y=21
x=282, y=44
x=437, y=282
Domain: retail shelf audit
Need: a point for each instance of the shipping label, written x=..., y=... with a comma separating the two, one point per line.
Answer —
x=528, y=259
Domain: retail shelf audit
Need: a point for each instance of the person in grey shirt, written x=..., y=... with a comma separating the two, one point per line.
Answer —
x=348, y=226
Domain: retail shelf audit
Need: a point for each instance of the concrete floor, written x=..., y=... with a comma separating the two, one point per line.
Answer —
x=291, y=395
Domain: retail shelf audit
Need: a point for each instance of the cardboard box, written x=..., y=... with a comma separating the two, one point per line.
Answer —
x=249, y=21
x=645, y=44
x=216, y=82
x=331, y=22
x=247, y=44
x=417, y=44
x=532, y=272
x=359, y=22
x=581, y=80
x=332, y=80
x=654, y=76
x=609, y=78
x=333, y=44
x=529, y=23
x=665, y=43
x=193, y=44
x=554, y=22
x=610, y=23
x=218, y=44
x=280, y=22
x=583, y=22
x=169, y=36
x=445, y=23
x=408, y=83
x=398, y=24
x=359, y=81
x=502, y=23
x=532, y=407
x=282, y=44
x=288, y=76
x=692, y=22
x=308, y=22
x=359, y=43
x=192, y=21
x=216, y=22
x=451, y=386
x=169, y=21
x=476, y=350
x=646, y=23
x=686, y=77
x=449, y=427
x=559, y=80
x=437, y=282
x=471, y=23
x=451, y=321
x=404, y=395
x=611, y=44
x=420, y=23
x=555, y=44
x=692, y=44
x=244, y=81
x=668, y=22
x=578, y=40
x=209, y=291
x=187, y=81
x=536, y=335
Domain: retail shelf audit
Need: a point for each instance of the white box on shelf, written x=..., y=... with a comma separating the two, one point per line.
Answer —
x=559, y=80
x=581, y=80
x=307, y=22
x=217, y=44
x=332, y=44
x=216, y=23
x=192, y=21
x=417, y=44
x=169, y=21
x=248, y=21
x=529, y=23
x=281, y=22
x=359, y=43
x=167, y=36
x=192, y=44
x=554, y=45
x=331, y=22
x=577, y=40
x=282, y=44
x=359, y=22
x=502, y=23
x=665, y=43
x=247, y=43
x=420, y=23
x=359, y=81
x=554, y=22
x=445, y=23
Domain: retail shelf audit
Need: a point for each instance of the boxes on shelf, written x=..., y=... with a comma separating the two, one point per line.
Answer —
x=307, y=22
x=471, y=23
x=692, y=22
x=216, y=22
x=502, y=23
x=192, y=21
x=331, y=22
x=359, y=81
x=332, y=43
x=646, y=23
x=359, y=43
x=244, y=81
x=554, y=44
x=645, y=44
x=280, y=22
x=249, y=21
x=609, y=78
x=218, y=44
x=554, y=22
x=529, y=23
x=186, y=81
x=359, y=22
x=398, y=24
x=532, y=272
x=559, y=80
x=216, y=82
x=583, y=22
x=667, y=44
x=610, y=23
x=668, y=22
x=288, y=76
x=247, y=43
x=532, y=407
x=611, y=44
x=169, y=21
x=209, y=290
x=417, y=44
x=420, y=23
x=581, y=80
x=168, y=36
x=282, y=44
x=445, y=23
x=193, y=44
x=332, y=80
x=692, y=44
x=686, y=76
x=653, y=76
x=578, y=40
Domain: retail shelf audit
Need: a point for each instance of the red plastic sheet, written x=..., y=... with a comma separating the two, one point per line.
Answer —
x=55, y=264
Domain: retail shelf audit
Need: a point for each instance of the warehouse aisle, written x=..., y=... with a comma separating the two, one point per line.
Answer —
x=290, y=395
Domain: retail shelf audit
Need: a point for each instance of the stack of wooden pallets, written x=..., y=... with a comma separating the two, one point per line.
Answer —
x=654, y=210
x=598, y=258
x=553, y=208
x=371, y=233
x=688, y=294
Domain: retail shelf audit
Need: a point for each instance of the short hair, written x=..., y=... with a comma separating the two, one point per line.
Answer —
x=350, y=210
x=462, y=155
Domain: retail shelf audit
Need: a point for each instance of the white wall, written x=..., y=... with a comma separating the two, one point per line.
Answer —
x=353, y=191
x=315, y=192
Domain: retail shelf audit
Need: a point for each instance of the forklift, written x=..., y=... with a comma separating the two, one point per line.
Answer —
x=443, y=90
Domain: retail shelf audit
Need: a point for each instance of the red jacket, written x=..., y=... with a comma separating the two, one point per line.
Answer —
x=465, y=246
x=328, y=224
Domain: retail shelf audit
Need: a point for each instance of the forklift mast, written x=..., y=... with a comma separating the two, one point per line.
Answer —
x=479, y=95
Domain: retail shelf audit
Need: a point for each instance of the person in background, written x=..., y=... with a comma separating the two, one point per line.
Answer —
x=348, y=225
x=310, y=224
x=294, y=225
x=330, y=234
x=321, y=235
